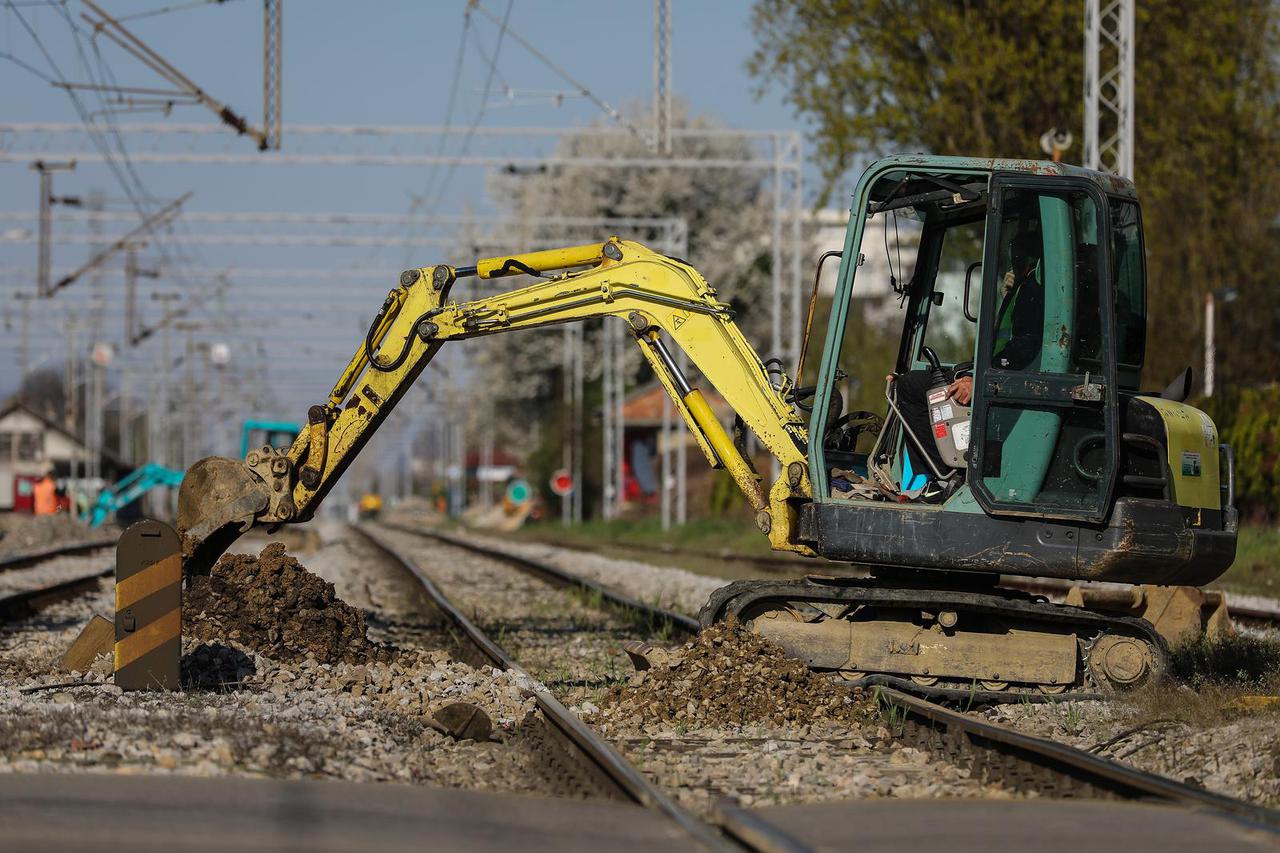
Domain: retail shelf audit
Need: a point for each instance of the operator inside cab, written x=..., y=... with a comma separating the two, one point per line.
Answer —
x=1019, y=331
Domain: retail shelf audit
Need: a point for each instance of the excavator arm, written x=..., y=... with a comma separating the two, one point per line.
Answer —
x=222, y=498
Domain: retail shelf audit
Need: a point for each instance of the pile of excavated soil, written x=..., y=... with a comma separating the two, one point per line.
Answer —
x=20, y=533
x=728, y=677
x=273, y=606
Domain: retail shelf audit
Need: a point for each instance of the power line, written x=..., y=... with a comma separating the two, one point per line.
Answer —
x=563, y=74
x=488, y=83
x=139, y=196
x=165, y=10
x=25, y=67
x=415, y=202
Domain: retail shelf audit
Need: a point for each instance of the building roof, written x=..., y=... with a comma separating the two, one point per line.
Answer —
x=16, y=406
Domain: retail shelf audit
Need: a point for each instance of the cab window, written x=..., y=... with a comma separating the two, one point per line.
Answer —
x=948, y=330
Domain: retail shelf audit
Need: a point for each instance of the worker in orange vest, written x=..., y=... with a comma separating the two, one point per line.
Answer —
x=45, y=494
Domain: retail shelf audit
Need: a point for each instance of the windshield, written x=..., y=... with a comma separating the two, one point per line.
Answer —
x=947, y=330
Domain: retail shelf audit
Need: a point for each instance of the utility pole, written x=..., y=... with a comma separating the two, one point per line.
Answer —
x=131, y=274
x=1226, y=294
x=607, y=489
x=612, y=418
x=1108, y=86
x=94, y=416
x=662, y=76
x=272, y=72
x=24, y=334
x=568, y=421
x=125, y=432
x=158, y=443
x=44, y=253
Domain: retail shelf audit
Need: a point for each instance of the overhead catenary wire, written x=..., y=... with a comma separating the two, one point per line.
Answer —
x=126, y=176
x=563, y=74
x=435, y=197
x=116, y=157
x=416, y=201
x=173, y=7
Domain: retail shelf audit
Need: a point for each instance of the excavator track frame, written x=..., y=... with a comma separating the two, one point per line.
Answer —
x=740, y=598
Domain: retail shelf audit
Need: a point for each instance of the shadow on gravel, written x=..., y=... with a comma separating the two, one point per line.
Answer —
x=215, y=667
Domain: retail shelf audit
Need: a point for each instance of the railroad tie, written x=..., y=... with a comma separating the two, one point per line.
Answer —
x=148, y=647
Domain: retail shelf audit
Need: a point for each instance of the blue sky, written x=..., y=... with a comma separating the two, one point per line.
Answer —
x=388, y=63
x=344, y=63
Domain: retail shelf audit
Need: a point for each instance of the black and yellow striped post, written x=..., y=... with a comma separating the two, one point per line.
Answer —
x=148, y=647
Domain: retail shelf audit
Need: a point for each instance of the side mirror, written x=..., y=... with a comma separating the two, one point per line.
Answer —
x=968, y=276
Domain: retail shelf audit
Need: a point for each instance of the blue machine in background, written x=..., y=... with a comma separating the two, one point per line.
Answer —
x=274, y=433
x=130, y=488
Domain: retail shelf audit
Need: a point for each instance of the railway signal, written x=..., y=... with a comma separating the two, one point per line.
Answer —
x=562, y=482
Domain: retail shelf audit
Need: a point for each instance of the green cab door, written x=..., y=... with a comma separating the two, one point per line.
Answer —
x=1044, y=420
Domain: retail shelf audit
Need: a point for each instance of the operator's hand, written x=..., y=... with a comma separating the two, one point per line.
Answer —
x=961, y=390
x=1007, y=285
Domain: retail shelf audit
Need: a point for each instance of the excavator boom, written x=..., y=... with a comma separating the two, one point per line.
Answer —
x=652, y=293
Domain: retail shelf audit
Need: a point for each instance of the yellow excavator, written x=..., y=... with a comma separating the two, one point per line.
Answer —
x=1059, y=467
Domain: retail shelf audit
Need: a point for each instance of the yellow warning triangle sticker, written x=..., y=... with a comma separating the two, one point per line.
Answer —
x=677, y=320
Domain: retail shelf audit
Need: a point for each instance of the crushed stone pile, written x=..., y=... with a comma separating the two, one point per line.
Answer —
x=21, y=533
x=728, y=677
x=273, y=606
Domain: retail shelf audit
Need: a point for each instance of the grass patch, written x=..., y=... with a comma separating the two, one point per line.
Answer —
x=1256, y=570
x=1210, y=683
x=724, y=534
x=1237, y=660
x=703, y=543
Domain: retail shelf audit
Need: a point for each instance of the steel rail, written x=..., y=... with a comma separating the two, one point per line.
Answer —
x=1037, y=764
x=560, y=577
x=629, y=782
x=19, y=603
x=14, y=561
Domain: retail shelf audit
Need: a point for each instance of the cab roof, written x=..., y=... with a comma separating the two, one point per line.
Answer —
x=1108, y=182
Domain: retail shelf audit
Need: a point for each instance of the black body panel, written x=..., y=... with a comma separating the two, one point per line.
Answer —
x=1143, y=541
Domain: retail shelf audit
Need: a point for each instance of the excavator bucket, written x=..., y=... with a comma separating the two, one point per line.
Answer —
x=217, y=503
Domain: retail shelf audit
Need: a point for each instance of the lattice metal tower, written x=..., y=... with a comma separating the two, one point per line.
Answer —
x=1108, y=85
x=272, y=71
x=662, y=76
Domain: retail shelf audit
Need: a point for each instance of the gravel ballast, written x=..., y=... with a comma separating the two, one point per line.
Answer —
x=288, y=704
x=710, y=718
x=1237, y=755
x=22, y=534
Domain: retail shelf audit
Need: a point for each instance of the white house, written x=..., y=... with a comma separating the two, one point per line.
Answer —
x=30, y=442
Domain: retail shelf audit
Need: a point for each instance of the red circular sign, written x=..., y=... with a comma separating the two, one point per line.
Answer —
x=562, y=482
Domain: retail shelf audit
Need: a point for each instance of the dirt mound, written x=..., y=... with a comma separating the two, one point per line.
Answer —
x=728, y=677
x=274, y=606
x=20, y=533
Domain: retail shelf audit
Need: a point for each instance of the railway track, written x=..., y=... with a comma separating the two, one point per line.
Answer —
x=36, y=555
x=35, y=579
x=593, y=755
x=990, y=752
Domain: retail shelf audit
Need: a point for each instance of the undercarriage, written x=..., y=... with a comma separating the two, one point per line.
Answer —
x=977, y=642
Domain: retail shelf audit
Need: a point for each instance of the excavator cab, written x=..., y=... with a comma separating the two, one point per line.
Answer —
x=1029, y=275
